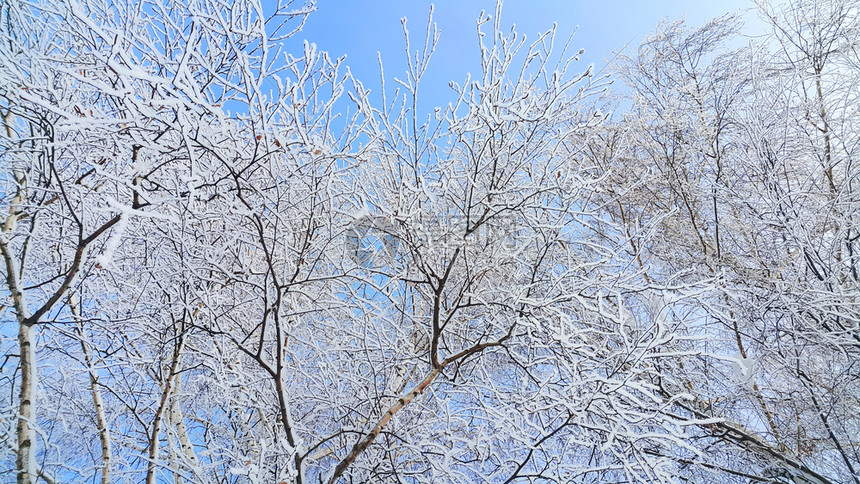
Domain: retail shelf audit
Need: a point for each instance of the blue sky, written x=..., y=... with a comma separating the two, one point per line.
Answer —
x=358, y=29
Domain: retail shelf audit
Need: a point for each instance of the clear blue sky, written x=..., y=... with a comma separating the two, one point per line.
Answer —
x=360, y=28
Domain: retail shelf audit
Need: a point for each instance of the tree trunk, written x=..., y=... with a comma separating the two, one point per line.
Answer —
x=101, y=418
x=25, y=463
x=26, y=460
x=161, y=413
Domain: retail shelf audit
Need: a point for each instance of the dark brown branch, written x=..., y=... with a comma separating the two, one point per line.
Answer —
x=72, y=272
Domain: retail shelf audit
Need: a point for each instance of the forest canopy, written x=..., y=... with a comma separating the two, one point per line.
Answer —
x=225, y=260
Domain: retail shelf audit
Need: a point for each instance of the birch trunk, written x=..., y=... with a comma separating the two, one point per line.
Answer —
x=177, y=420
x=161, y=413
x=101, y=418
x=25, y=462
x=26, y=459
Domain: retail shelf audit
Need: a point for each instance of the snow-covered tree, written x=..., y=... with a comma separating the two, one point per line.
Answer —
x=226, y=260
x=751, y=175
